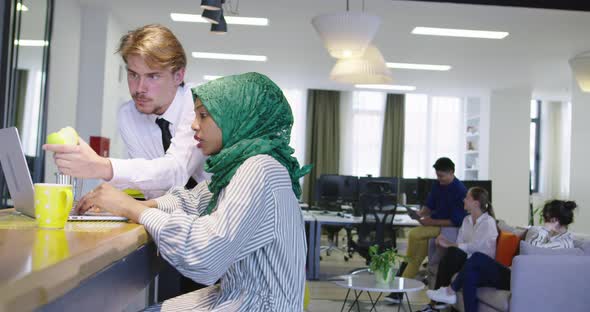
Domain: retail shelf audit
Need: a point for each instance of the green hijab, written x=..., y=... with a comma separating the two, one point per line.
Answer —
x=255, y=118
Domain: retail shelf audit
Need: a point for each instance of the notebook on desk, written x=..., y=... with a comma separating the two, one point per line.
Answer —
x=20, y=184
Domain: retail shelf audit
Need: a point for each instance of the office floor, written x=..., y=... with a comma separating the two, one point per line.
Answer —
x=326, y=296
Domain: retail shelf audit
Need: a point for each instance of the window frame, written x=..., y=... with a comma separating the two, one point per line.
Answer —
x=534, y=184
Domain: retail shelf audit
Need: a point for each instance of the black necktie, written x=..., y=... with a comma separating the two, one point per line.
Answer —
x=166, y=138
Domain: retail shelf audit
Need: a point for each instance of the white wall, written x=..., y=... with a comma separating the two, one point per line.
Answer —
x=484, y=138
x=509, y=153
x=580, y=163
x=63, y=72
x=92, y=69
x=116, y=91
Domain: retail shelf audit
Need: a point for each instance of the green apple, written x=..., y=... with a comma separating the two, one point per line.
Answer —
x=65, y=135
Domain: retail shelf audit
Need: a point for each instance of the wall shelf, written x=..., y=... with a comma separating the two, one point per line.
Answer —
x=472, y=138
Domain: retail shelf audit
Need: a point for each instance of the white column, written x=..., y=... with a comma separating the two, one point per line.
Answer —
x=509, y=153
x=580, y=158
x=92, y=70
x=62, y=93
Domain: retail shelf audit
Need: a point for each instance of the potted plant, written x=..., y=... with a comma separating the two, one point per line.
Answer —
x=384, y=264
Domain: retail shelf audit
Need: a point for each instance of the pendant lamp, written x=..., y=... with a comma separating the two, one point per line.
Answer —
x=370, y=68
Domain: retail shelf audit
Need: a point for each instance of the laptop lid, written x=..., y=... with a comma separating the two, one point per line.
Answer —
x=16, y=172
x=18, y=178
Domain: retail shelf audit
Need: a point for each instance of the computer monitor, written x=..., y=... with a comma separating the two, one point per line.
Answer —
x=485, y=184
x=365, y=182
x=336, y=188
x=416, y=190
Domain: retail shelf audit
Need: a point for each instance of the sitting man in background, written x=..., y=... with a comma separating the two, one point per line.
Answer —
x=444, y=207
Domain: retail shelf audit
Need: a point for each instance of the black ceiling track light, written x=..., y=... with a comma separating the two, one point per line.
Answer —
x=213, y=5
x=212, y=16
x=221, y=27
x=213, y=13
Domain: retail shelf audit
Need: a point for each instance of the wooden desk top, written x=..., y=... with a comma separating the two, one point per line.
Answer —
x=38, y=266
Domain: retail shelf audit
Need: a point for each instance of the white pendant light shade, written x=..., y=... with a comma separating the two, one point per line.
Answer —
x=581, y=68
x=368, y=69
x=346, y=34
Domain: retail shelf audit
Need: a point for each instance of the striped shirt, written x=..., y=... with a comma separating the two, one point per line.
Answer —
x=540, y=237
x=253, y=242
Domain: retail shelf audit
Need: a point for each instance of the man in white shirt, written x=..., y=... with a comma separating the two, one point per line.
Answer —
x=155, y=124
x=156, y=128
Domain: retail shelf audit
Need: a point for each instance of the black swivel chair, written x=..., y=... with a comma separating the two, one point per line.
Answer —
x=377, y=206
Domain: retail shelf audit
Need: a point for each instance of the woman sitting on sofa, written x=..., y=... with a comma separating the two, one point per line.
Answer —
x=478, y=233
x=481, y=270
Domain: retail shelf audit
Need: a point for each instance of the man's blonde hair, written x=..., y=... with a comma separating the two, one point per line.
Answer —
x=156, y=44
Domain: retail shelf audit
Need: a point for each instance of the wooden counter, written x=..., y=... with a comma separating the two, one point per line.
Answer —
x=39, y=266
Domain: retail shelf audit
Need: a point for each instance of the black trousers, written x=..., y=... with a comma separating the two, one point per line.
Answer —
x=451, y=263
x=172, y=283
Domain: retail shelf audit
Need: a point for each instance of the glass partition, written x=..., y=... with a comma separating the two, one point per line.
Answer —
x=24, y=104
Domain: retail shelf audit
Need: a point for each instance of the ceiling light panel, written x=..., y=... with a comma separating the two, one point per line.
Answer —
x=385, y=87
x=235, y=20
x=227, y=56
x=211, y=77
x=21, y=7
x=418, y=66
x=467, y=33
x=31, y=43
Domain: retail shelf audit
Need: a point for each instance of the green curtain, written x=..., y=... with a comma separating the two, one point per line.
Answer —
x=322, y=137
x=392, y=150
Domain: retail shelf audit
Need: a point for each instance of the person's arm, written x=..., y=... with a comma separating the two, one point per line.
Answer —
x=193, y=201
x=428, y=221
x=203, y=248
x=424, y=211
x=163, y=173
x=540, y=237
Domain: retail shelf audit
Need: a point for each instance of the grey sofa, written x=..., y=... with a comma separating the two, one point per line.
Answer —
x=541, y=283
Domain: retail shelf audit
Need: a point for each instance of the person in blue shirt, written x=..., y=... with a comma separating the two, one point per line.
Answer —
x=444, y=207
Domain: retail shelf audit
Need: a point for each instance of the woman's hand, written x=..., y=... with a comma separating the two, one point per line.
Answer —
x=444, y=242
x=107, y=198
x=552, y=226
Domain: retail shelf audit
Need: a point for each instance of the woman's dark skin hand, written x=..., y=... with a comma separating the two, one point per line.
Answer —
x=107, y=198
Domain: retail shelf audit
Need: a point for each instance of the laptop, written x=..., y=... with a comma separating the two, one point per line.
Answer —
x=20, y=184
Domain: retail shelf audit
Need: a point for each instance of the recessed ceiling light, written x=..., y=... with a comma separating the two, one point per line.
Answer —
x=227, y=56
x=235, y=20
x=21, y=7
x=211, y=77
x=418, y=66
x=433, y=31
x=385, y=87
x=31, y=43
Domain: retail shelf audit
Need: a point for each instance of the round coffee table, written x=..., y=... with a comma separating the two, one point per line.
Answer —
x=366, y=282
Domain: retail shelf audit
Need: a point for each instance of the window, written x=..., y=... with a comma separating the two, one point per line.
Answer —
x=361, y=128
x=297, y=101
x=534, y=153
x=433, y=129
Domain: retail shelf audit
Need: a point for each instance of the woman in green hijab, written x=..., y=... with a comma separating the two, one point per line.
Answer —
x=243, y=228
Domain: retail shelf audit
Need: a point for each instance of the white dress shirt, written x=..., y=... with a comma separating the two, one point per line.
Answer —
x=480, y=236
x=151, y=169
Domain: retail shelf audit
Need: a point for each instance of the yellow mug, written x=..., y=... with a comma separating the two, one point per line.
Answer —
x=50, y=247
x=53, y=203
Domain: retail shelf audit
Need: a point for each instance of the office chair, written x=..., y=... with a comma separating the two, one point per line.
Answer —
x=377, y=206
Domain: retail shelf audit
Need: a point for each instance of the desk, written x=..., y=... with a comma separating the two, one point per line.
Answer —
x=88, y=266
x=331, y=218
x=311, y=224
